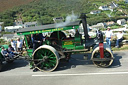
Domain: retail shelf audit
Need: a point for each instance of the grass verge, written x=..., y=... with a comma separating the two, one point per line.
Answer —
x=124, y=47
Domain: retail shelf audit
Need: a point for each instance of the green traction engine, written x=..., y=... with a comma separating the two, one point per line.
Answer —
x=60, y=44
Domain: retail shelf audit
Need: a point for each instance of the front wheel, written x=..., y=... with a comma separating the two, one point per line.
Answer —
x=45, y=58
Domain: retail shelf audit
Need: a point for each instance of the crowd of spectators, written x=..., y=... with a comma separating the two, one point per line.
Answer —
x=109, y=35
x=14, y=48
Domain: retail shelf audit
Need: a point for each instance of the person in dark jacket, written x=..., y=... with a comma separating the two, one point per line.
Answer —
x=37, y=40
x=12, y=51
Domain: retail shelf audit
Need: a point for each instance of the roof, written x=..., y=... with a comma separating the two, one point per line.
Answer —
x=99, y=25
x=30, y=23
x=113, y=4
x=8, y=35
x=13, y=27
x=49, y=26
x=123, y=20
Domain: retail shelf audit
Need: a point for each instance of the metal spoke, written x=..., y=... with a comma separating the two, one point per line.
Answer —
x=39, y=63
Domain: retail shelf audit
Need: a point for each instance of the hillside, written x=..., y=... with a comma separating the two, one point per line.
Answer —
x=8, y=4
x=45, y=10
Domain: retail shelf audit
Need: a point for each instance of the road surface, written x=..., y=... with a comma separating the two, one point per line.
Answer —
x=77, y=72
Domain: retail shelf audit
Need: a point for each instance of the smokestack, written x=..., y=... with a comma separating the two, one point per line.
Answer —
x=83, y=17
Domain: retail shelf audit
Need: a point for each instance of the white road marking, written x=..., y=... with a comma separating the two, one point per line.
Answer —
x=82, y=74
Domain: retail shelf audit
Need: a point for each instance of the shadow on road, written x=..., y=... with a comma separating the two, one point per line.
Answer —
x=15, y=64
x=76, y=59
x=116, y=63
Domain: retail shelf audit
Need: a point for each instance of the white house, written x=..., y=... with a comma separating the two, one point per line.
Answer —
x=99, y=25
x=8, y=37
x=95, y=12
x=104, y=7
x=121, y=21
x=12, y=28
x=30, y=24
x=58, y=19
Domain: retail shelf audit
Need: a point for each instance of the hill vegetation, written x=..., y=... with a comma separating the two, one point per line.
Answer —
x=44, y=11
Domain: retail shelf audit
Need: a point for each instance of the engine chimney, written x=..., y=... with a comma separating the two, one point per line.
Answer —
x=84, y=22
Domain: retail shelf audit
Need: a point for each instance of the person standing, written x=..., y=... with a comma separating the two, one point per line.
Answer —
x=37, y=41
x=13, y=44
x=19, y=45
x=108, y=36
x=119, y=38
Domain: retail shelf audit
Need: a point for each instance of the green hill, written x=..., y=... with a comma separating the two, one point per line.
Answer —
x=45, y=10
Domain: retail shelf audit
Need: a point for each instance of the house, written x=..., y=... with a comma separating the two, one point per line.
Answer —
x=113, y=5
x=99, y=25
x=12, y=28
x=58, y=19
x=18, y=22
x=95, y=12
x=30, y=24
x=104, y=7
x=121, y=21
x=8, y=37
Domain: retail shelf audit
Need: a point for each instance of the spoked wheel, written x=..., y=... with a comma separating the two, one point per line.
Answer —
x=102, y=62
x=45, y=58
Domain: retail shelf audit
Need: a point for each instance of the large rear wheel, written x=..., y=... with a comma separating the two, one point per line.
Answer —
x=45, y=58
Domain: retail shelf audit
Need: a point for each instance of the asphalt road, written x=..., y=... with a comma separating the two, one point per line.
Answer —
x=76, y=72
